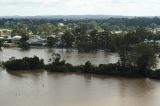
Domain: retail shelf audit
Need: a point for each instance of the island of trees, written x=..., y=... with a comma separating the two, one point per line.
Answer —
x=139, y=62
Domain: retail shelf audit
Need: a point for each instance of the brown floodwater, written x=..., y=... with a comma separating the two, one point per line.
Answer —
x=71, y=56
x=58, y=89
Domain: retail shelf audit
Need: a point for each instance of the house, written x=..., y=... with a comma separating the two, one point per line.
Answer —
x=5, y=33
x=153, y=30
x=16, y=39
x=36, y=41
x=53, y=36
x=61, y=25
x=153, y=42
x=119, y=32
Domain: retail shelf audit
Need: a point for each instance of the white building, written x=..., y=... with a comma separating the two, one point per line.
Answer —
x=119, y=32
x=16, y=39
x=61, y=25
x=5, y=33
x=154, y=30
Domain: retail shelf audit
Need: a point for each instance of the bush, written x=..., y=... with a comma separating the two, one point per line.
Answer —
x=24, y=64
x=88, y=67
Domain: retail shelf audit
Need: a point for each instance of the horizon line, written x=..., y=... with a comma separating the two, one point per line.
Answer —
x=79, y=15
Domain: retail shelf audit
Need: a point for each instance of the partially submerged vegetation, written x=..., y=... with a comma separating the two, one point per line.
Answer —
x=137, y=63
x=26, y=63
x=59, y=65
x=23, y=44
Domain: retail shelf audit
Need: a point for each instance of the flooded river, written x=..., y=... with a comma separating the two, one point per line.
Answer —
x=71, y=56
x=58, y=89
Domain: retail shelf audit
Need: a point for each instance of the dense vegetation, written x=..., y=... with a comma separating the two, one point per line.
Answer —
x=24, y=64
x=85, y=34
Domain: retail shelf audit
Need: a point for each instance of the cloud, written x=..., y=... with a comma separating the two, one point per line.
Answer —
x=107, y=7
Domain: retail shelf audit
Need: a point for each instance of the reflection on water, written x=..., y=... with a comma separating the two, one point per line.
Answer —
x=58, y=89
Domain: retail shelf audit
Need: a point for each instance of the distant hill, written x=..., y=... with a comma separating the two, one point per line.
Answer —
x=112, y=20
x=70, y=17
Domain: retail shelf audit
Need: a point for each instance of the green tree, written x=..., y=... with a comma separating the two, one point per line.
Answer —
x=81, y=38
x=68, y=39
x=94, y=39
x=137, y=36
x=144, y=56
x=23, y=44
x=19, y=30
x=1, y=44
x=51, y=41
x=125, y=57
x=107, y=41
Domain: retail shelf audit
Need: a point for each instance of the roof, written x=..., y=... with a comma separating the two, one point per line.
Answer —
x=16, y=37
x=35, y=41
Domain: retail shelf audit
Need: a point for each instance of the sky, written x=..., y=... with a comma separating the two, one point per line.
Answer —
x=80, y=7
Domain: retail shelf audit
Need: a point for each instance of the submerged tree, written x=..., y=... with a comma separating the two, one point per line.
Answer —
x=23, y=44
x=51, y=41
x=1, y=44
x=125, y=57
x=68, y=39
x=144, y=56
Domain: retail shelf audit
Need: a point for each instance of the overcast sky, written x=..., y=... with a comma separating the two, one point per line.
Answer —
x=80, y=7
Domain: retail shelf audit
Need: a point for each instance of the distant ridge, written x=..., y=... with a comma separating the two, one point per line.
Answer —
x=73, y=17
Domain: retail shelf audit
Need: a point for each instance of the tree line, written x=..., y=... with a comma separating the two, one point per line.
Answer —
x=86, y=34
x=134, y=21
x=89, y=36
